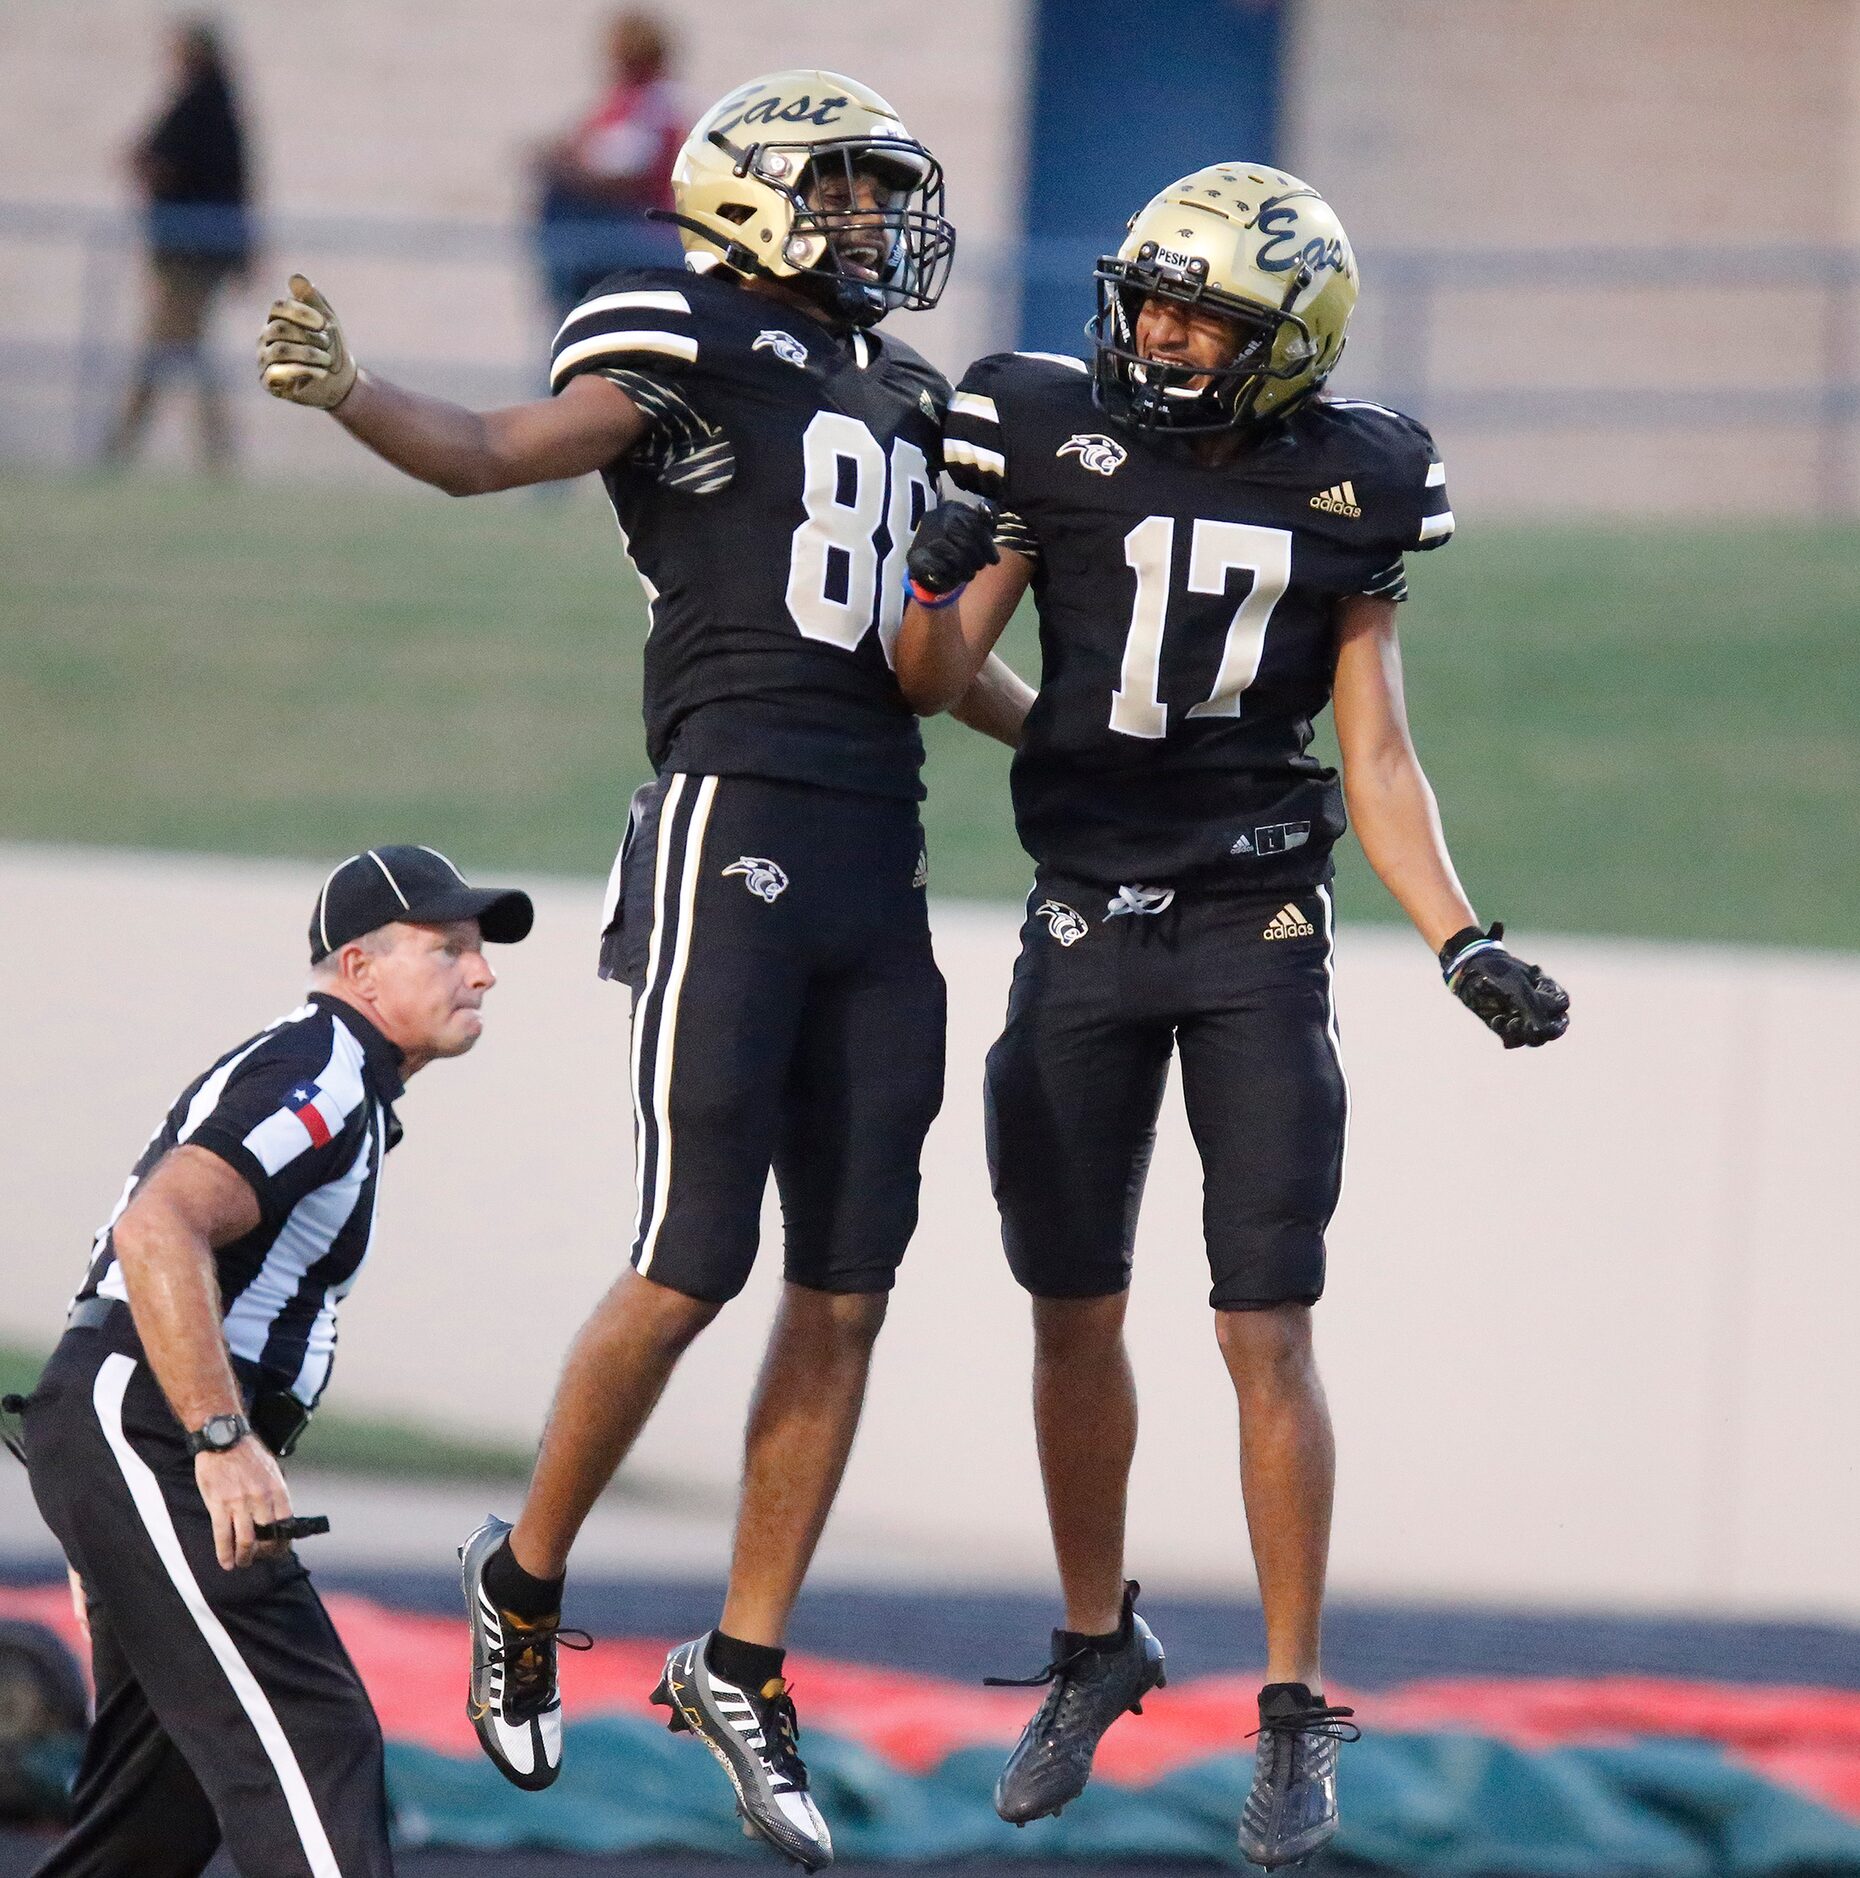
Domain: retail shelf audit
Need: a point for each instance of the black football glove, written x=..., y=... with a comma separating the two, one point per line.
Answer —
x=954, y=542
x=1515, y=1001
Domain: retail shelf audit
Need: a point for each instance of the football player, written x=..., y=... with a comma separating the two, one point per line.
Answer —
x=768, y=455
x=1216, y=552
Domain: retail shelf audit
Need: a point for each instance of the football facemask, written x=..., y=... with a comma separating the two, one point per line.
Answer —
x=1175, y=395
x=1259, y=248
x=809, y=177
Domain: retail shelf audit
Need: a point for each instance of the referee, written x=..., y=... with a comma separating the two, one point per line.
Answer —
x=194, y=1354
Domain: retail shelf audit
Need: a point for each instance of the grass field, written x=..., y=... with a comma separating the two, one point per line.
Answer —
x=1648, y=731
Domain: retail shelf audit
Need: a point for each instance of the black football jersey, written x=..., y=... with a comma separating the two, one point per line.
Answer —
x=768, y=514
x=1187, y=618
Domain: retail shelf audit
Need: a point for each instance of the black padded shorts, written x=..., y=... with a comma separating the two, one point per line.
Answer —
x=1108, y=986
x=787, y=1014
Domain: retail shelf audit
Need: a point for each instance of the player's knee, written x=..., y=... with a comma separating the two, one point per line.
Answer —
x=1068, y=1330
x=839, y=1324
x=1269, y=1350
x=669, y=1317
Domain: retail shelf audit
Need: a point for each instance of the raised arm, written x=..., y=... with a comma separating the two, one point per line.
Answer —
x=963, y=591
x=304, y=358
x=189, y=1206
x=1398, y=823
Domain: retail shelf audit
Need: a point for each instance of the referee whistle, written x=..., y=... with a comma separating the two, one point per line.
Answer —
x=306, y=1526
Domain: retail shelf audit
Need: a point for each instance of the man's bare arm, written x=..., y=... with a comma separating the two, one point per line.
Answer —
x=941, y=650
x=996, y=702
x=1391, y=803
x=472, y=453
x=304, y=358
x=191, y=1204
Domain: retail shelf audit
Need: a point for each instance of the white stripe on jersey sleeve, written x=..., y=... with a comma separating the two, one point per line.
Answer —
x=281, y=1136
x=1436, y=474
x=973, y=404
x=621, y=345
x=955, y=450
x=1057, y=358
x=1433, y=527
x=641, y=302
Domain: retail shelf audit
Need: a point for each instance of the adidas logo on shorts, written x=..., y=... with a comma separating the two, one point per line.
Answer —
x=1288, y=923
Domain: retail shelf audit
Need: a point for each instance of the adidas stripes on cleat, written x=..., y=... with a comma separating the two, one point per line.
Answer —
x=1291, y=1811
x=512, y=1701
x=1092, y=1684
x=752, y=1732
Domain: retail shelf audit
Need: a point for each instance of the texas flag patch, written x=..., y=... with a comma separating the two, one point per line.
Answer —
x=302, y=1103
x=311, y=1117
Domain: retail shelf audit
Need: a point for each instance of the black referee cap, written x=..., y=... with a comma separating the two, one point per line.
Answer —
x=380, y=885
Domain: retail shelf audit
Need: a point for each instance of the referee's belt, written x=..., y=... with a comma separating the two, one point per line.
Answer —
x=277, y=1417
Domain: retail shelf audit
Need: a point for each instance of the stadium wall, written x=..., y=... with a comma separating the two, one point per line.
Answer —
x=1699, y=166
x=1589, y=1329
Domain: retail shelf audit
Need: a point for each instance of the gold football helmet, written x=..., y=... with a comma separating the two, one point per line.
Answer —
x=809, y=177
x=1253, y=244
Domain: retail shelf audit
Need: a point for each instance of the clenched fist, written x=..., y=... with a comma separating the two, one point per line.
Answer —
x=301, y=353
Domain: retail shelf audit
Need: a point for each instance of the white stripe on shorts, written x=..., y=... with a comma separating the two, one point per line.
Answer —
x=1330, y=1022
x=665, y=1045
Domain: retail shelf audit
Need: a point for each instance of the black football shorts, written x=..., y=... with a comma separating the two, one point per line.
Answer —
x=1107, y=986
x=787, y=1013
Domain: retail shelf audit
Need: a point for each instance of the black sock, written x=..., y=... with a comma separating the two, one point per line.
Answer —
x=512, y=1589
x=748, y=1665
x=1070, y=1642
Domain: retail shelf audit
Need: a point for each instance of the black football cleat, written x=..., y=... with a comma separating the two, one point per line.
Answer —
x=752, y=1732
x=1091, y=1687
x=512, y=1700
x=1292, y=1810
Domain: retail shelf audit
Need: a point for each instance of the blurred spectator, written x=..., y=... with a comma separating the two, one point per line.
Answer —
x=191, y=170
x=597, y=183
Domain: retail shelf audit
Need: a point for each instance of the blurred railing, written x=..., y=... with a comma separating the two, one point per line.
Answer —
x=1600, y=339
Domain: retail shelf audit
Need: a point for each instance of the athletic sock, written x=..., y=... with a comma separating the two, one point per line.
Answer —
x=1069, y=1642
x=512, y=1589
x=748, y=1665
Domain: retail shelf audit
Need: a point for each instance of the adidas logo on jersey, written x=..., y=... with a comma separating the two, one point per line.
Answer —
x=1338, y=499
x=1288, y=923
x=785, y=346
x=920, y=874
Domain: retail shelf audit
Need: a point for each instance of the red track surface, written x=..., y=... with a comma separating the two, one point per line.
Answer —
x=414, y=1666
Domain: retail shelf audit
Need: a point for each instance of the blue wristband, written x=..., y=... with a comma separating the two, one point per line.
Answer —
x=931, y=602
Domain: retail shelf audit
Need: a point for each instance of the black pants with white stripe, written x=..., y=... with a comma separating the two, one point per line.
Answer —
x=1240, y=987
x=787, y=1013
x=227, y=1708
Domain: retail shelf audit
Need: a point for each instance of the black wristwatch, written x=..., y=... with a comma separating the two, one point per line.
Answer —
x=218, y=1433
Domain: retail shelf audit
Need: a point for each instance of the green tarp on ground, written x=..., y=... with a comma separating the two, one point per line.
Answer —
x=1432, y=1806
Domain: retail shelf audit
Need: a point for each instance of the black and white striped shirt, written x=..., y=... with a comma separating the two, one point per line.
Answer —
x=302, y=1112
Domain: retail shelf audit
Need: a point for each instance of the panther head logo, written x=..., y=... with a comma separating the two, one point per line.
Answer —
x=762, y=877
x=785, y=346
x=1095, y=451
x=1065, y=923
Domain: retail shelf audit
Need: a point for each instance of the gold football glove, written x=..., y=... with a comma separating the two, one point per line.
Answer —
x=301, y=353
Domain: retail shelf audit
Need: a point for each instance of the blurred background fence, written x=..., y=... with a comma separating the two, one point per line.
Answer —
x=1547, y=372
